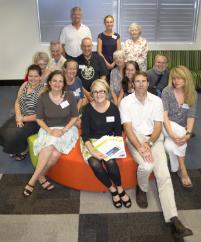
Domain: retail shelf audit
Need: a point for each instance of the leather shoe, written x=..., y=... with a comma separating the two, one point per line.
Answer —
x=141, y=198
x=178, y=229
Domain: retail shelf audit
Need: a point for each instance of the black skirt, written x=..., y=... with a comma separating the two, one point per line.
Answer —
x=14, y=139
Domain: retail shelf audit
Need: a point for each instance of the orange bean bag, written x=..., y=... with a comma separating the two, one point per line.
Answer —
x=72, y=171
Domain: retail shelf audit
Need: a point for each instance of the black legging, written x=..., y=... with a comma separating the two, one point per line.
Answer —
x=105, y=176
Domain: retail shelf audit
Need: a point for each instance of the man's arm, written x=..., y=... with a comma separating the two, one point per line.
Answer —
x=156, y=131
x=63, y=50
x=131, y=136
x=143, y=148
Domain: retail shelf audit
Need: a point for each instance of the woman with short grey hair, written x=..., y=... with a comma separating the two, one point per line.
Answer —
x=136, y=48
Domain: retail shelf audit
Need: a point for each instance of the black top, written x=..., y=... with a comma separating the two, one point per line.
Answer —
x=109, y=45
x=95, y=124
x=90, y=70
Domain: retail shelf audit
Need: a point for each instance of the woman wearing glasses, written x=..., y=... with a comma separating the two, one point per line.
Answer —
x=99, y=118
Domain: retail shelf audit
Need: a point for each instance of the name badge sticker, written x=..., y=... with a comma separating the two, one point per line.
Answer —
x=185, y=105
x=114, y=36
x=64, y=104
x=110, y=119
x=81, y=67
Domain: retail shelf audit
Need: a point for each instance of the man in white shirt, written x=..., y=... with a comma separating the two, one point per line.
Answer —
x=72, y=34
x=142, y=118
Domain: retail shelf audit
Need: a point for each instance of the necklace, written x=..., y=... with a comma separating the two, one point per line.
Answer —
x=57, y=100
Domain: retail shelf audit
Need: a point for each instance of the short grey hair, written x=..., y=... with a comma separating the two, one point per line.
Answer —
x=74, y=10
x=118, y=53
x=134, y=25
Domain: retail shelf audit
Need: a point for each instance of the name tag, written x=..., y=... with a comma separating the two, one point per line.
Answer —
x=185, y=105
x=110, y=119
x=114, y=36
x=81, y=67
x=64, y=104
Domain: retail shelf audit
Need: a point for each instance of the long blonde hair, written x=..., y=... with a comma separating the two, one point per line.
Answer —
x=189, y=86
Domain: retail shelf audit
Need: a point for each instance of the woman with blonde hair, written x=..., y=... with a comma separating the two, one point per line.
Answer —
x=101, y=117
x=179, y=101
x=136, y=47
x=108, y=42
x=41, y=59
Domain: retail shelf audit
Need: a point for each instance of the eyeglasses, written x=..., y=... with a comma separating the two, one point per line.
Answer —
x=95, y=92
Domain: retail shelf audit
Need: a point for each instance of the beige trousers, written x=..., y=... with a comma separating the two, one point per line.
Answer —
x=161, y=173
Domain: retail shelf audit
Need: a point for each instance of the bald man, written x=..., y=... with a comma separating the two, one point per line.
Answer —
x=91, y=66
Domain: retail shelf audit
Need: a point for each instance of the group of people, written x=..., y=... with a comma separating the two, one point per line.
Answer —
x=101, y=93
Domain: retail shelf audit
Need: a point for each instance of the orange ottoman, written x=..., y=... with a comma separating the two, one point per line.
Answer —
x=72, y=171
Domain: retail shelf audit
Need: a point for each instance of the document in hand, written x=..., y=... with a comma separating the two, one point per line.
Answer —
x=111, y=146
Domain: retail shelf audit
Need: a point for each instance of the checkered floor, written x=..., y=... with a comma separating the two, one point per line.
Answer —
x=69, y=215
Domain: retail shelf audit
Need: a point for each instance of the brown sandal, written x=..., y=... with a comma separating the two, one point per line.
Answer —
x=185, y=186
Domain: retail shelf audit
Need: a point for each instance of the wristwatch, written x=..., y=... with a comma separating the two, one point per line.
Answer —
x=150, y=143
x=189, y=133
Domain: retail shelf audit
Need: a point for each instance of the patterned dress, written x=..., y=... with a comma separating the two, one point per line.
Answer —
x=136, y=52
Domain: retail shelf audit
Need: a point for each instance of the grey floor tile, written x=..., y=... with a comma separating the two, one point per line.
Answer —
x=196, y=236
x=91, y=202
x=43, y=228
x=191, y=218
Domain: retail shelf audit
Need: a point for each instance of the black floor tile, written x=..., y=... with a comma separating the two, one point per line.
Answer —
x=61, y=200
x=132, y=227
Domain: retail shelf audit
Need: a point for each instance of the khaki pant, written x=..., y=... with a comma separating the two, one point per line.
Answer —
x=161, y=172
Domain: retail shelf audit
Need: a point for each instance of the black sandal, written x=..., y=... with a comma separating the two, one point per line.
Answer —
x=117, y=204
x=127, y=203
x=49, y=187
x=26, y=191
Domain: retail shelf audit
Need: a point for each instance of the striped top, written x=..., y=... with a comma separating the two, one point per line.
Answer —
x=28, y=102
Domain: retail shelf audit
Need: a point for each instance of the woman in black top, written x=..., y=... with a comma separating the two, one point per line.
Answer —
x=108, y=42
x=101, y=117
